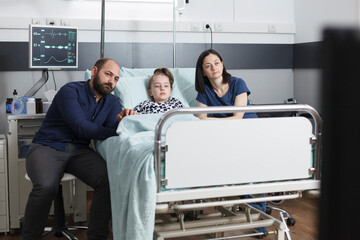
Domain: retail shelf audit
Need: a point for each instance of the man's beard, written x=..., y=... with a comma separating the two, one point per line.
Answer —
x=100, y=88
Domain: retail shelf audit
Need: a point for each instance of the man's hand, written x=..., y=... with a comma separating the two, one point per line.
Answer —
x=125, y=113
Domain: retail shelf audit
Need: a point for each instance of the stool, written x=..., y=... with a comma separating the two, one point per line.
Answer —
x=60, y=229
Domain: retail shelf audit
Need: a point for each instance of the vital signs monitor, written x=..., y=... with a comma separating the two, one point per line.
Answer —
x=53, y=47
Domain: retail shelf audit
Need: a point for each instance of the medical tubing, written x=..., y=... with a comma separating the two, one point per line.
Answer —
x=54, y=80
x=231, y=109
x=102, y=37
x=174, y=34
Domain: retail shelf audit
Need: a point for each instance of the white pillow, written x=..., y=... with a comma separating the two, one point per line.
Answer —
x=186, y=79
x=136, y=72
x=133, y=90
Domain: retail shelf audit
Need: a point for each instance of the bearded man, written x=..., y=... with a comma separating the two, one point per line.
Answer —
x=80, y=112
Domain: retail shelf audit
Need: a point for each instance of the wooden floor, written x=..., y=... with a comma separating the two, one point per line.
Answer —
x=303, y=210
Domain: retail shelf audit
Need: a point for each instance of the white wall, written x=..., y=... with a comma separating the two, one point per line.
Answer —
x=267, y=86
x=64, y=9
x=307, y=87
x=311, y=18
x=237, y=21
x=232, y=21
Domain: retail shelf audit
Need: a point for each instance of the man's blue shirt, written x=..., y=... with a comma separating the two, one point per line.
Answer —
x=75, y=117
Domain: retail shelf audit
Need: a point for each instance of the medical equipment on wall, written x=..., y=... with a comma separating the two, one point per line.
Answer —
x=51, y=48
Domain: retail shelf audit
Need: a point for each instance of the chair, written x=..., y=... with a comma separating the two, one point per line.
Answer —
x=60, y=228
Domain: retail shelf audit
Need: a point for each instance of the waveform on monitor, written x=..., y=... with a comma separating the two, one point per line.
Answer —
x=53, y=34
x=58, y=47
x=59, y=61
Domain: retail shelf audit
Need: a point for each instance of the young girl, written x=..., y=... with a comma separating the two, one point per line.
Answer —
x=159, y=88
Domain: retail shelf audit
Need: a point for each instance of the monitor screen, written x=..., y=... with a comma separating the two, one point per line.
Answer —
x=53, y=47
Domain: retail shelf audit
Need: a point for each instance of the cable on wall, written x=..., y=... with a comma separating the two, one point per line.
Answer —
x=53, y=76
x=211, y=35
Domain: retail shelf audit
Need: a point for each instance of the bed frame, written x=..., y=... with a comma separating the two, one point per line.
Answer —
x=210, y=165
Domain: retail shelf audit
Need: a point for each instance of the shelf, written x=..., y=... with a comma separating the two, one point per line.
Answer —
x=26, y=116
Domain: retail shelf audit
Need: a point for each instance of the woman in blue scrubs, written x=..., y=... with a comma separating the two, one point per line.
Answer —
x=216, y=87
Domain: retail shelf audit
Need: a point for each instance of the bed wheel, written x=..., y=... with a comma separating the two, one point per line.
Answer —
x=277, y=202
x=190, y=216
x=268, y=211
x=12, y=232
x=290, y=221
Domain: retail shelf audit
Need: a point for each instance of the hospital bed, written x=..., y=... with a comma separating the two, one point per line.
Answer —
x=212, y=169
x=208, y=174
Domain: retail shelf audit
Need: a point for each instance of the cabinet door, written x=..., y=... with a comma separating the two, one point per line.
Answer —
x=2, y=151
x=2, y=165
x=28, y=127
x=2, y=180
x=3, y=223
x=2, y=194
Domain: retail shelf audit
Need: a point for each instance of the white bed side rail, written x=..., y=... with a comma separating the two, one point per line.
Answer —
x=231, y=109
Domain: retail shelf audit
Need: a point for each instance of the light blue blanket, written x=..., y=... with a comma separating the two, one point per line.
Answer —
x=130, y=162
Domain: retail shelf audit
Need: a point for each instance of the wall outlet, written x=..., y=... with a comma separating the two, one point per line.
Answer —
x=195, y=27
x=272, y=28
x=66, y=22
x=37, y=21
x=52, y=21
x=208, y=29
x=219, y=27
